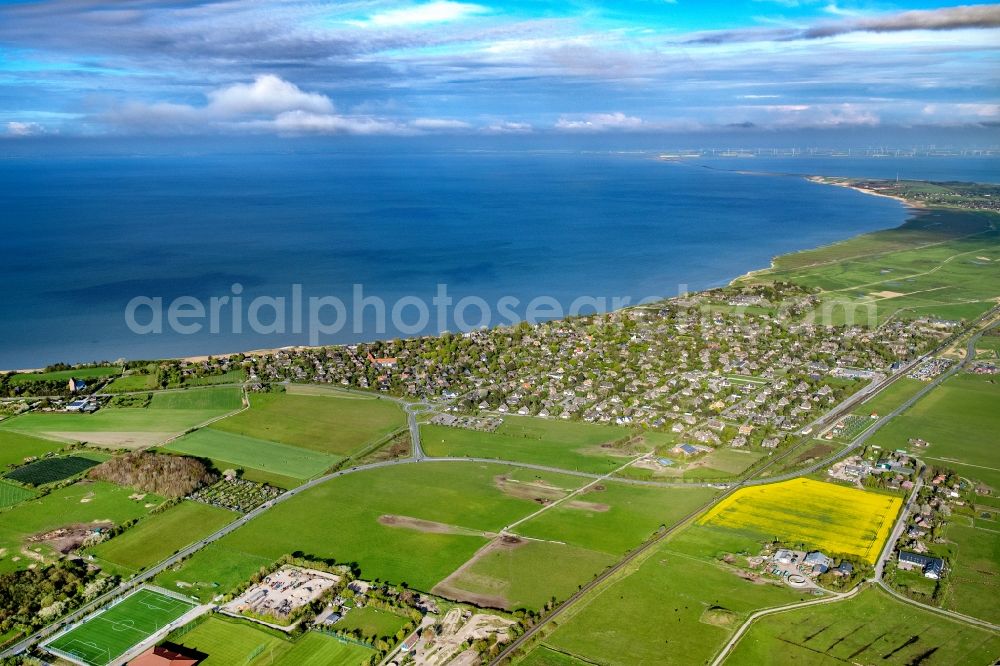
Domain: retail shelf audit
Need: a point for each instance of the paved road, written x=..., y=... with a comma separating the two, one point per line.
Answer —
x=418, y=456
x=152, y=572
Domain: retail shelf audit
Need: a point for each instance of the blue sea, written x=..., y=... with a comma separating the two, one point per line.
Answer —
x=83, y=236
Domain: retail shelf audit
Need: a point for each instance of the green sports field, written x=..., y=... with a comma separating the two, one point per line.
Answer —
x=244, y=451
x=103, y=637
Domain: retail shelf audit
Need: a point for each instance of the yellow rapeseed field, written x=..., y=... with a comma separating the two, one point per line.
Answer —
x=829, y=517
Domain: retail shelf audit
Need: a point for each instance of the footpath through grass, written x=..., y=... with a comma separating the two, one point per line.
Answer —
x=872, y=628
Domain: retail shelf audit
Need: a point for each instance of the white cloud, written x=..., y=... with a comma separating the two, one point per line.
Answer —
x=305, y=122
x=962, y=111
x=439, y=11
x=598, y=122
x=268, y=94
x=438, y=124
x=508, y=127
x=15, y=128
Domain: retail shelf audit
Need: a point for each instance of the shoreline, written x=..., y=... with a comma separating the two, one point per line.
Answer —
x=842, y=182
x=820, y=180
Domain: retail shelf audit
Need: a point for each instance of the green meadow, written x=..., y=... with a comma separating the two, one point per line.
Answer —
x=528, y=575
x=229, y=641
x=65, y=375
x=82, y=502
x=211, y=571
x=339, y=519
x=941, y=263
x=567, y=445
x=872, y=628
x=960, y=420
x=111, y=427
x=669, y=610
x=543, y=655
x=160, y=535
x=372, y=622
x=892, y=397
x=328, y=424
x=129, y=383
x=616, y=518
x=224, y=399
x=975, y=567
x=15, y=447
x=249, y=452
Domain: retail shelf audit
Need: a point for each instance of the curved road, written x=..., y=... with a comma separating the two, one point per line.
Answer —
x=418, y=456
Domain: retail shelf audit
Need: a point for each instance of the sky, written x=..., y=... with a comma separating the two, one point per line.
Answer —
x=293, y=68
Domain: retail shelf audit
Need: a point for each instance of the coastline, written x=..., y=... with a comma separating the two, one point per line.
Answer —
x=821, y=180
x=843, y=182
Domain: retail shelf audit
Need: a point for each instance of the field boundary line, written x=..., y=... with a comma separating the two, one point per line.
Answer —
x=735, y=639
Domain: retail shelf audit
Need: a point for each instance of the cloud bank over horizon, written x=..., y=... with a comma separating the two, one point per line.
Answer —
x=409, y=68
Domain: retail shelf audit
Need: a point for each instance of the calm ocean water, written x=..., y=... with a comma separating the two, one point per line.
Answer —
x=83, y=236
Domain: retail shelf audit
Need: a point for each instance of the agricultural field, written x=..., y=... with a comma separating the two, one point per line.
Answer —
x=81, y=504
x=872, y=628
x=408, y=523
x=669, y=609
x=224, y=399
x=228, y=641
x=134, y=382
x=86, y=374
x=49, y=470
x=116, y=427
x=372, y=622
x=972, y=586
x=825, y=516
x=566, y=445
x=160, y=535
x=211, y=571
x=242, y=451
x=923, y=268
x=103, y=637
x=328, y=424
x=15, y=447
x=892, y=397
x=616, y=518
x=516, y=573
x=959, y=420
x=11, y=494
x=543, y=655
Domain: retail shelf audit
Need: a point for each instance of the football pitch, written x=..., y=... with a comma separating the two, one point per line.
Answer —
x=109, y=634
